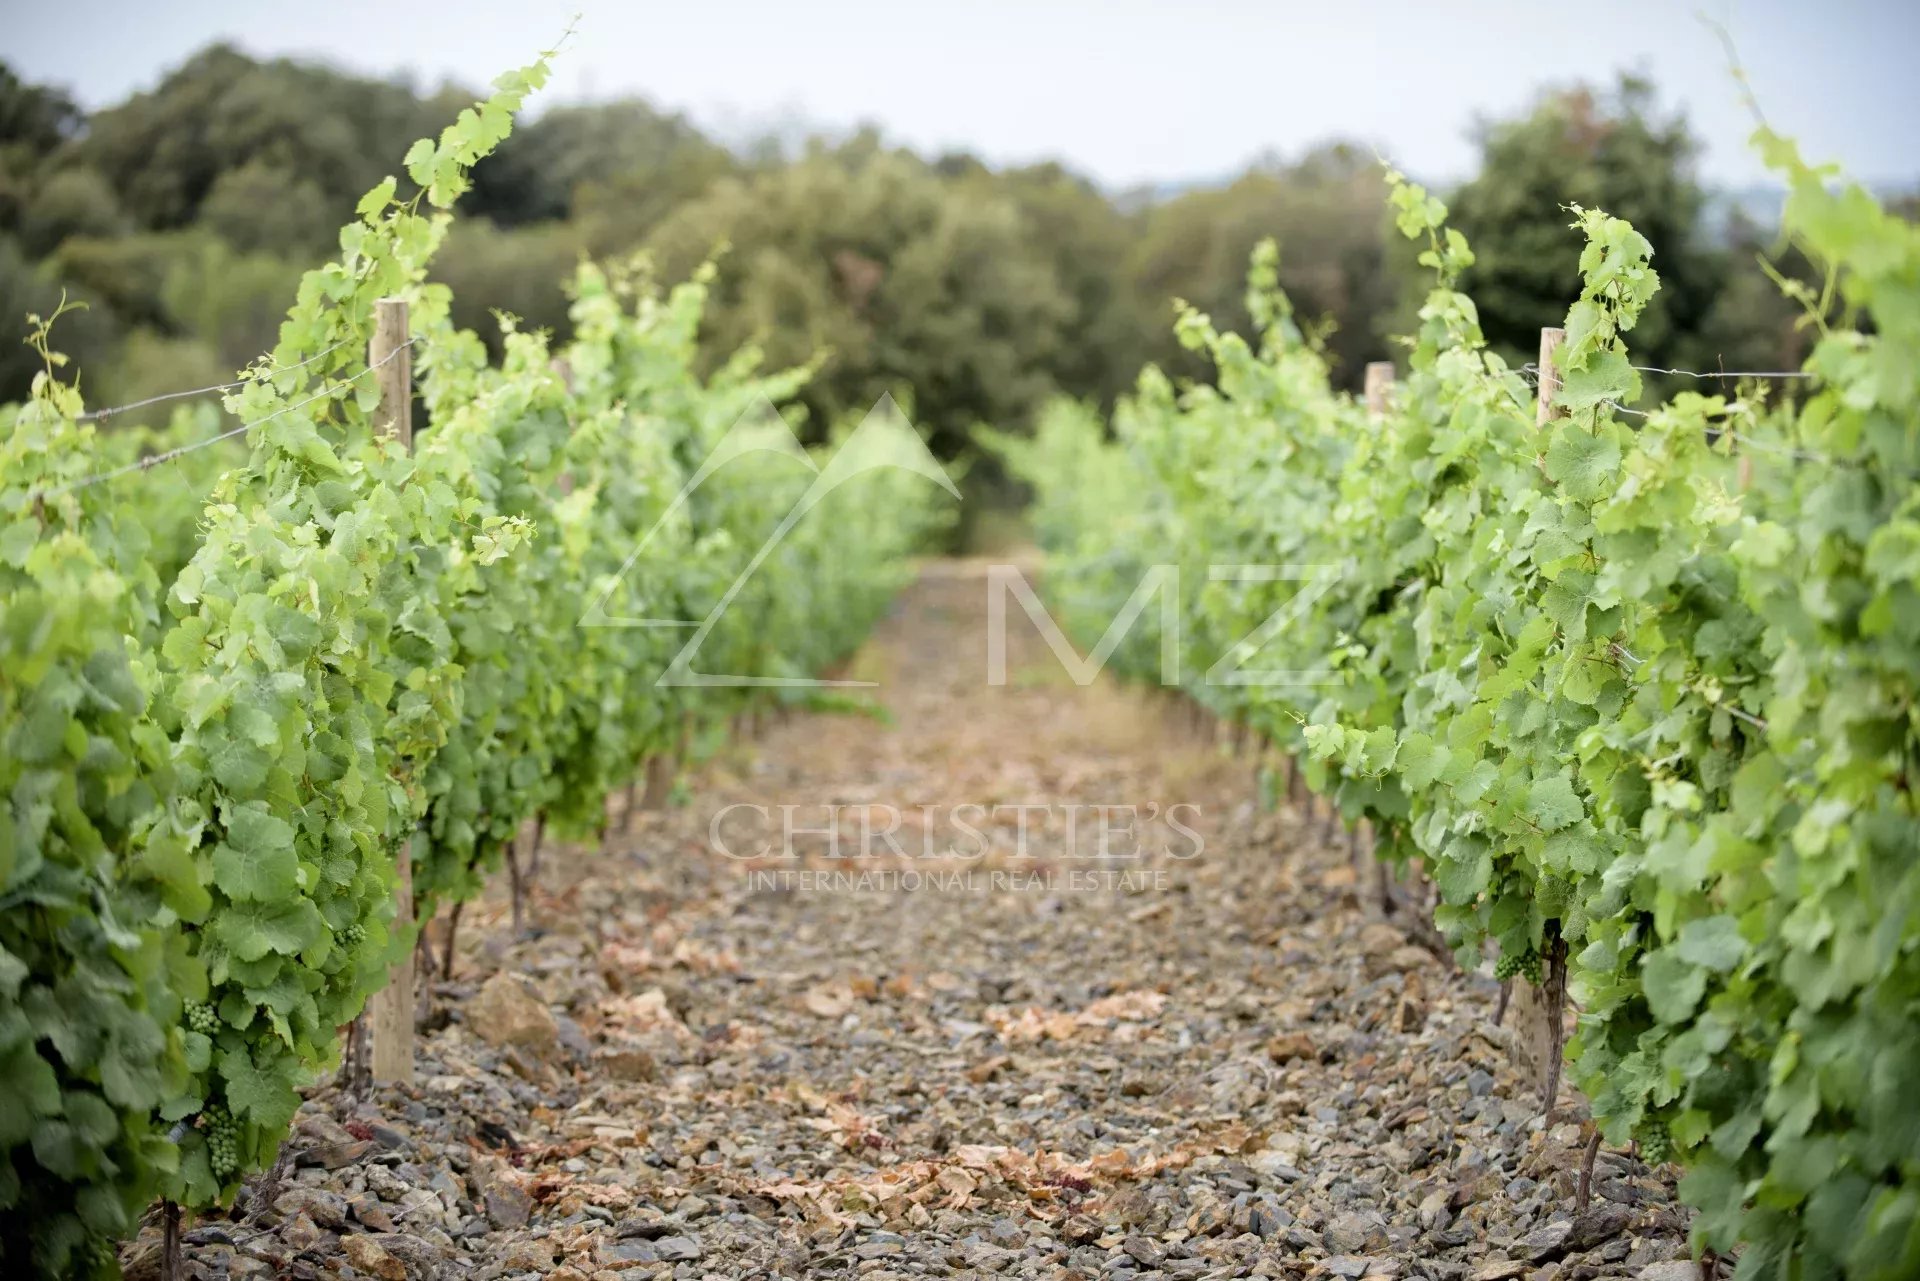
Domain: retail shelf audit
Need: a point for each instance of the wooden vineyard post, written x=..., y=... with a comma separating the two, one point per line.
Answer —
x=172, y=1262
x=392, y=362
x=1379, y=385
x=1540, y=1010
x=392, y=1008
x=660, y=771
x=1550, y=340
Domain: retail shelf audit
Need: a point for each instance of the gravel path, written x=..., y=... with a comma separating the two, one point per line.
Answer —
x=1213, y=1059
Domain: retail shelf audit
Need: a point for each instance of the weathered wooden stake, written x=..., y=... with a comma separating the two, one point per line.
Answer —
x=514, y=883
x=172, y=1266
x=446, y=952
x=423, y=977
x=1550, y=340
x=660, y=772
x=538, y=846
x=353, y=1058
x=1379, y=383
x=1556, y=1004
x=392, y=1008
x=1379, y=386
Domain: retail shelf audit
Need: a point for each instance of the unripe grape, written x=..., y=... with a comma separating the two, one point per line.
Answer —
x=202, y=1018
x=223, y=1142
x=1656, y=1140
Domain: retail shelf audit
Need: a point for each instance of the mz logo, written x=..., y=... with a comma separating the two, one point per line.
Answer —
x=1162, y=581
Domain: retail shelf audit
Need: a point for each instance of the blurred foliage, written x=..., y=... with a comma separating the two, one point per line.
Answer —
x=1086, y=239
x=297, y=126
x=1329, y=214
x=908, y=281
x=1615, y=151
x=631, y=162
x=512, y=271
x=182, y=215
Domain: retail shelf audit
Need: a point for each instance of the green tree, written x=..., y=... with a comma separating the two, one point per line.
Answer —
x=1752, y=323
x=625, y=151
x=38, y=118
x=1086, y=239
x=165, y=150
x=517, y=271
x=229, y=300
x=70, y=202
x=1611, y=150
x=35, y=121
x=262, y=207
x=1328, y=213
x=907, y=280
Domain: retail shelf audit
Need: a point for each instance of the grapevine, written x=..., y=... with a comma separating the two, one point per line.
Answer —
x=90, y=1042
x=231, y=706
x=1617, y=687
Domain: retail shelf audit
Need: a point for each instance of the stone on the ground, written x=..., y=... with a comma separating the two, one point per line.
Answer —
x=1240, y=1070
x=504, y=1013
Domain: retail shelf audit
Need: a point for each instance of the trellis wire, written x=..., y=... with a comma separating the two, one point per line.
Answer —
x=167, y=456
x=1728, y=373
x=97, y=415
x=1531, y=372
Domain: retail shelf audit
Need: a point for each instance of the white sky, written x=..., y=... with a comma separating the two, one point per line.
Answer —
x=1128, y=91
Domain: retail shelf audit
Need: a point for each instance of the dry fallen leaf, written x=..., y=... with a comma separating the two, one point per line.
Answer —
x=828, y=1002
x=1137, y=1006
x=646, y=1012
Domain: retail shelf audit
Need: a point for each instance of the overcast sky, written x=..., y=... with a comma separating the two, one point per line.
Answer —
x=1126, y=90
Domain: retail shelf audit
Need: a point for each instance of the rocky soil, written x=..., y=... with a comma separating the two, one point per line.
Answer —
x=1195, y=1063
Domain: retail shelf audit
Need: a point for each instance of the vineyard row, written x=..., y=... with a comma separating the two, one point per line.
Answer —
x=1636, y=689
x=261, y=716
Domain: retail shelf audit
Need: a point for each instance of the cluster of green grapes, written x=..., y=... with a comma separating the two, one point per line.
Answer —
x=202, y=1018
x=1526, y=964
x=353, y=936
x=223, y=1142
x=1656, y=1142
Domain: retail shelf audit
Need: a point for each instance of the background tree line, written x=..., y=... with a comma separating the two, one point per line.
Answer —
x=183, y=216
